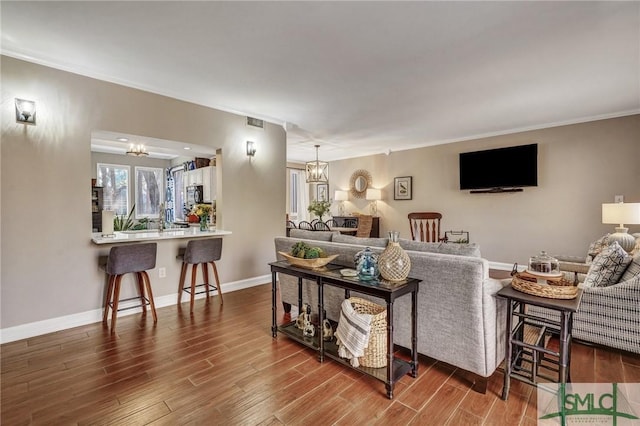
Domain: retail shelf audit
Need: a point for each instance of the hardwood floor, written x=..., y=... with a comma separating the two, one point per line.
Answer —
x=221, y=366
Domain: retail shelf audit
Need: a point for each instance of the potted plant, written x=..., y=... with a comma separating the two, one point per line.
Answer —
x=319, y=208
x=120, y=223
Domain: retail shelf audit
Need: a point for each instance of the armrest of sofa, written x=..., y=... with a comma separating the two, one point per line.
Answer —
x=571, y=259
x=573, y=265
x=610, y=315
x=620, y=289
x=578, y=268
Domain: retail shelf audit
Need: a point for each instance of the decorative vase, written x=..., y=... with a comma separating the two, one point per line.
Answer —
x=367, y=265
x=394, y=263
x=204, y=226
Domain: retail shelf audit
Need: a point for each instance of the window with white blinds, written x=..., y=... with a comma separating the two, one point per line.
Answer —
x=114, y=179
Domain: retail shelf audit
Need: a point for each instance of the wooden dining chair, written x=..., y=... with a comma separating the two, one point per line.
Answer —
x=321, y=226
x=365, y=222
x=331, y=223
x=290, y=225
x=350, y=223
x=425, y=226
x=305, y=225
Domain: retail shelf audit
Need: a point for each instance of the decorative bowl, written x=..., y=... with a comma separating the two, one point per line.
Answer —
x=308, y=263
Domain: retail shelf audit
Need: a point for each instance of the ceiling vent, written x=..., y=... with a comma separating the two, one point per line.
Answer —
x=255, y=122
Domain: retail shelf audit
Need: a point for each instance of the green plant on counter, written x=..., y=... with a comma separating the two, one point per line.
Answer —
x=142, y=224
x=122, y=224
x=319, y=208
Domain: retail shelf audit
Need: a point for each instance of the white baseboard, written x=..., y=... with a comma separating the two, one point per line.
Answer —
x=52, y=325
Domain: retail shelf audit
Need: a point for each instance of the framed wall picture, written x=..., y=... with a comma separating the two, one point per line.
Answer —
x=322, y=192
x=403, y=188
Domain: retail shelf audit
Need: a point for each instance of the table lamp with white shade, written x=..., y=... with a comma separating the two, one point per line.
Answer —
x=341, y=197
x=373, y=195
x=621, y=214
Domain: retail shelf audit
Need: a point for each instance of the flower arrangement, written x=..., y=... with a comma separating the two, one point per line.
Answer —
x=201, y=210
x=319, y=207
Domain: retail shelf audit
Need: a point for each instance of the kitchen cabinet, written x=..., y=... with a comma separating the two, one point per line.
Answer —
x=205, y=176
x=193, y=177
x=209, y=184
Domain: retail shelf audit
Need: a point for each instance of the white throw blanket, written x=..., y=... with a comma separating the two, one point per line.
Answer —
x=352, y=333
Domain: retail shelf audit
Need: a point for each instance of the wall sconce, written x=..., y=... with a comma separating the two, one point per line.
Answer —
x=341, y=197
x=251, y=148
x=373, y=195
x=25, y=111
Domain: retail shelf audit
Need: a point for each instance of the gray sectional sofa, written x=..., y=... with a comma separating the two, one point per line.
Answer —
x=460, y=320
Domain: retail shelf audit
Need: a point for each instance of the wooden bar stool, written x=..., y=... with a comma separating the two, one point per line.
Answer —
x=130, y=258
x=200, y=252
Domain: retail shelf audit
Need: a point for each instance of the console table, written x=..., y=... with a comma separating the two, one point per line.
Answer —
x=352, y=222
x=330, y=275
x=518, y=350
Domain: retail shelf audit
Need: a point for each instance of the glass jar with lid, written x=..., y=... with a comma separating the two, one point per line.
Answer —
x=544, y=264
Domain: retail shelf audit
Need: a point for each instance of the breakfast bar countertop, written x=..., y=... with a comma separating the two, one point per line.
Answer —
x=155, y=235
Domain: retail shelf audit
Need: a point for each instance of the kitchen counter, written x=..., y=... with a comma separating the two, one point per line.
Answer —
x=155, y=235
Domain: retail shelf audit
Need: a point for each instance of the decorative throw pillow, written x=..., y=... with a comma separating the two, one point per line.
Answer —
x=633, y=270
x=636, y=248
x=608, y=266
x=596, y=247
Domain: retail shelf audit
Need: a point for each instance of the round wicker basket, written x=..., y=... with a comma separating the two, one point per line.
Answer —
x=553, y=289
x=375, y=355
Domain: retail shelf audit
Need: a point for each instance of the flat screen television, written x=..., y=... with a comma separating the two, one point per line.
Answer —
x=498, y=170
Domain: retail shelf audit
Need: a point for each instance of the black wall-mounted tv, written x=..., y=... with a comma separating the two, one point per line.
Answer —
x=502, y=169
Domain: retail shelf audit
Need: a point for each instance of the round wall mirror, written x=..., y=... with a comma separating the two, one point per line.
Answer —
x=360, y=181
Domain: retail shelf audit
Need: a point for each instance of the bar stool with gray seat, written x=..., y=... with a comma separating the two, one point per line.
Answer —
x=200, y=252
x=125, y=259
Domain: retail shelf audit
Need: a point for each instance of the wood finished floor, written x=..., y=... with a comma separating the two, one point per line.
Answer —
x=221, y=366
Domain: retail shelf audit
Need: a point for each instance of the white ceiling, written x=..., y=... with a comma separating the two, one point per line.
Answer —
x=358, y=78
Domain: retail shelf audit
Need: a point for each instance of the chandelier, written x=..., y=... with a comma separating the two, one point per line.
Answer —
x=137, y=150
x=317, y=171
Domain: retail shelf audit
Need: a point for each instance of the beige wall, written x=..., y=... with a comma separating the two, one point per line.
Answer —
x=48, y=264
x=579, y=167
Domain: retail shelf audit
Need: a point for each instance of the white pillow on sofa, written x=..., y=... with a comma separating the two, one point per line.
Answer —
x=608, y=266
